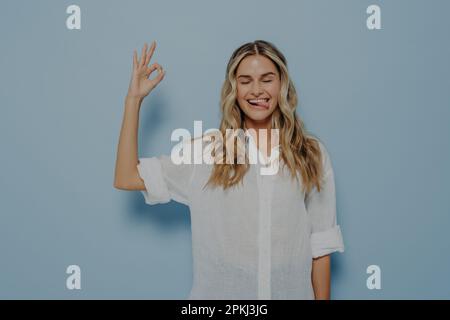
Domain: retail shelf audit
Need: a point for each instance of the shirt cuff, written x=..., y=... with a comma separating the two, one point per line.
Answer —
x=150, y=170
x=326, y=242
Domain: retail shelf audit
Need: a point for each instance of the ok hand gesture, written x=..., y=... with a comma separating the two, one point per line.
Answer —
x=140, y=84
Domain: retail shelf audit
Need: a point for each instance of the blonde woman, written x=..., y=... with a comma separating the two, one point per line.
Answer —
x=254, y=236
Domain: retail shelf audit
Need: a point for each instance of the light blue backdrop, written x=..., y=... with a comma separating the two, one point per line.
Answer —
x=379, y=99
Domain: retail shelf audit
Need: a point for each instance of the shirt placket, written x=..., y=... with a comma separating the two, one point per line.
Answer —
x=265, y=185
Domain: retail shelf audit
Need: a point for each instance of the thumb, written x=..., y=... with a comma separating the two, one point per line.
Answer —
x=161, y=74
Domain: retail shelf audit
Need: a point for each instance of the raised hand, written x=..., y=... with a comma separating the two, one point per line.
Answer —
x=140, y=84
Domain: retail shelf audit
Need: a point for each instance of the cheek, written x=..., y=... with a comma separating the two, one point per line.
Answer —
x=275, y=91
x=240, y=93
x=241, y=97
x=274, y=94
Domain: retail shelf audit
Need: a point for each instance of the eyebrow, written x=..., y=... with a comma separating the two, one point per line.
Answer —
x=263, y=75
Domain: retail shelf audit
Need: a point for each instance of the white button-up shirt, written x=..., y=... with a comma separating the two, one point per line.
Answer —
x=255, y=240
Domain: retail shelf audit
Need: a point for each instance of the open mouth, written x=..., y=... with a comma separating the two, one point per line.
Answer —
x=259, y=103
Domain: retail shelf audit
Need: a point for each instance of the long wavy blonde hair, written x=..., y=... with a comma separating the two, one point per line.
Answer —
x=299, y=150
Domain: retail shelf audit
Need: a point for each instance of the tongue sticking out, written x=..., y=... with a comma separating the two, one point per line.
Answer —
x=262, y=104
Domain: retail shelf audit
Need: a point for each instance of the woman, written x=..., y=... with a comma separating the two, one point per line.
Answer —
x=254, y=236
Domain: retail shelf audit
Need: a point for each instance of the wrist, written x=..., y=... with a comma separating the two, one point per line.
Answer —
x=133, y=100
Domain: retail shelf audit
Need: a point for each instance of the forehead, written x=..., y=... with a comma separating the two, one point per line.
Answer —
x=255, y=65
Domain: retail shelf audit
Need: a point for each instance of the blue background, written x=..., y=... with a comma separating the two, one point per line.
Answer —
x=380, y=101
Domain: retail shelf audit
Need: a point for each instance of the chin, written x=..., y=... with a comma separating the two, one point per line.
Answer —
x=258, y=115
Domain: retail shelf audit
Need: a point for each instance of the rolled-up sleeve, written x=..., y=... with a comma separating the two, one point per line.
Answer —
x=326, y=236
x=165, y=180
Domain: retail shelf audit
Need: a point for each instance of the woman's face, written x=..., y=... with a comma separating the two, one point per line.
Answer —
x=258, y=87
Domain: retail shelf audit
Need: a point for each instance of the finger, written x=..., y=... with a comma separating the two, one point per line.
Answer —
x=160, y=69
x=144, y=50
x=158, y=78
x=150, y=53
x=162, y=74
x=154, y=67
x=149, y=70
x=135, y=61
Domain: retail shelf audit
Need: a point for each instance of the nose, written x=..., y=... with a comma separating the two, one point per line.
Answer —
x=256, y=89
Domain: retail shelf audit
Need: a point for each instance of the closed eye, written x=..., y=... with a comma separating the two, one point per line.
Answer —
x=249, y=82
